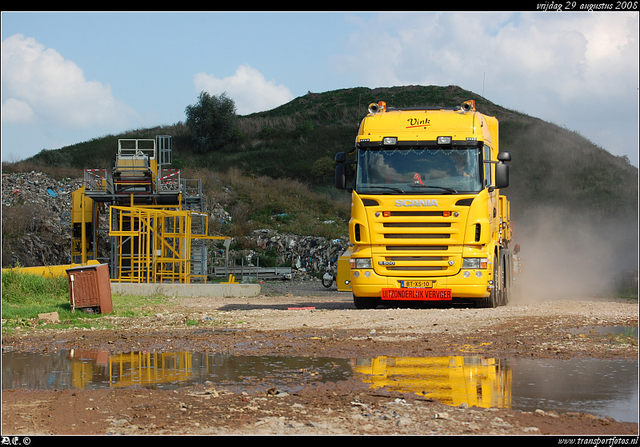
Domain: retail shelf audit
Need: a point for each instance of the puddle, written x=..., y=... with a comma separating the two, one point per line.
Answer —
x=92, y=369
x=599, y=387
x=623, y=331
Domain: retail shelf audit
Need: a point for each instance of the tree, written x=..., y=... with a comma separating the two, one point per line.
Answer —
x=212, y=121
x=323, y=169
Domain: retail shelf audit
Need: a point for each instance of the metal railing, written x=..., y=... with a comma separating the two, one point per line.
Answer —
x=169, y=180
x=98, y=180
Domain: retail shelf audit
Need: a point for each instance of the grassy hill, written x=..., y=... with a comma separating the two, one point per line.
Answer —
x=280, y=164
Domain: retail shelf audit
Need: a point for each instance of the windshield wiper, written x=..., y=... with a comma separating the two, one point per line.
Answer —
x=451, y=190
x=398, y=190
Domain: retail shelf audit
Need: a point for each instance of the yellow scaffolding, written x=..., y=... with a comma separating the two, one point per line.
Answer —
x=148, y=368
x=157, y=222
x=153, y=245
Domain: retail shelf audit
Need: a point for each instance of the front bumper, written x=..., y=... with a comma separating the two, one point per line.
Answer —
x=365, y=283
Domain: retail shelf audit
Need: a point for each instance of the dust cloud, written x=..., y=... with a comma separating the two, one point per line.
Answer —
x=567, y=255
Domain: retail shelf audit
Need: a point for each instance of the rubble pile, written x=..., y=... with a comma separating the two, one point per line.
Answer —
x=303, y=253
x=219, y=214
x=47, y=202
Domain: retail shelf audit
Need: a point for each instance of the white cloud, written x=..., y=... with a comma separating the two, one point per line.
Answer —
x=248, y=88
x=568, y=56
x=38, y=84
x=16, y=112
x=570, y=69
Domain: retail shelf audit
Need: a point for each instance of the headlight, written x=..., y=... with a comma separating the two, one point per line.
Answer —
x=360, y=263
x=474, y=263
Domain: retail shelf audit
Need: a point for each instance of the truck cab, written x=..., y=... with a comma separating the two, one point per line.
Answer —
x=427, y=221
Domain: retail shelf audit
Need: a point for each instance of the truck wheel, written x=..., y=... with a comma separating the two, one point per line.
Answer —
x=493, y=299
x=365, y=303
x=504, y=273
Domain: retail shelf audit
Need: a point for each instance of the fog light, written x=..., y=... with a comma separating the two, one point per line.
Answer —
x=478, y=274
x=466, y=274
x=356, y=274
x=367, y=274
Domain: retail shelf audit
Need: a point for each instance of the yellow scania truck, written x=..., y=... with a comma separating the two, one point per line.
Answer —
x=428, y=222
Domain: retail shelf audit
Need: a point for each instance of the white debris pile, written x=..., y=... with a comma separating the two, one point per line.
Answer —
x=309, y=254
x=219, y=214
x=36, y=207
x=38, y=189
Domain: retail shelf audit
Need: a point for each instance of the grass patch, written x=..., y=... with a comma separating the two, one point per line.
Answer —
x=24, y=296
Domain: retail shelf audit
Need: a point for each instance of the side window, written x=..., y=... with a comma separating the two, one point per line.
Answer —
x=487, y=167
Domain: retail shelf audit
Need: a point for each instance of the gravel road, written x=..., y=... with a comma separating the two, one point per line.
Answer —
x=302, y=318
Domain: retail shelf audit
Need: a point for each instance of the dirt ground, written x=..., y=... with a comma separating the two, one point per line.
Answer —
x=305, y=319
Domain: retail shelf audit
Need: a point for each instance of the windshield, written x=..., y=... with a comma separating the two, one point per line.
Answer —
x=418, y=171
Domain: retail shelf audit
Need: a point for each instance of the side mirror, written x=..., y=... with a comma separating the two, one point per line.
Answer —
x=504, y=156
x=502, y=176
x=341, y=172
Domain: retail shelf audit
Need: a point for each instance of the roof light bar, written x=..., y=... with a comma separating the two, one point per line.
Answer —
x=390, y=140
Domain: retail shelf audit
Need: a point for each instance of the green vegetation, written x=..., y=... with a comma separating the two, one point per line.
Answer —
x=33, y=293
x=212, y=122
x=290, y=206
x=24, y=296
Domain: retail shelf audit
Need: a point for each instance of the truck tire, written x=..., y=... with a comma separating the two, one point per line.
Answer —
x=505, y=273
x=493, y=300
x=365, y=303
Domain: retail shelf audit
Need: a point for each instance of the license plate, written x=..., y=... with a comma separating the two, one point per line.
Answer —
x=417, y=294
x=422, y=284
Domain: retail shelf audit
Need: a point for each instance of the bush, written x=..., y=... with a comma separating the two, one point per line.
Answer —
x=22, y=288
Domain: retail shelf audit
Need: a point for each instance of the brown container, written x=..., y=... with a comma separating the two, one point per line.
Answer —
x=90, y=287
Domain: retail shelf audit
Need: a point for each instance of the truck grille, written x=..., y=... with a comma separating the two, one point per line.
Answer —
x=417, y=242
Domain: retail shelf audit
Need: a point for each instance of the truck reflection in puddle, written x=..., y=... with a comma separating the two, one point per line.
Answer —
x=455, y=380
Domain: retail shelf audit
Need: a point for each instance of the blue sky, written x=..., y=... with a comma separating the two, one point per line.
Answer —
x=69, y=77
